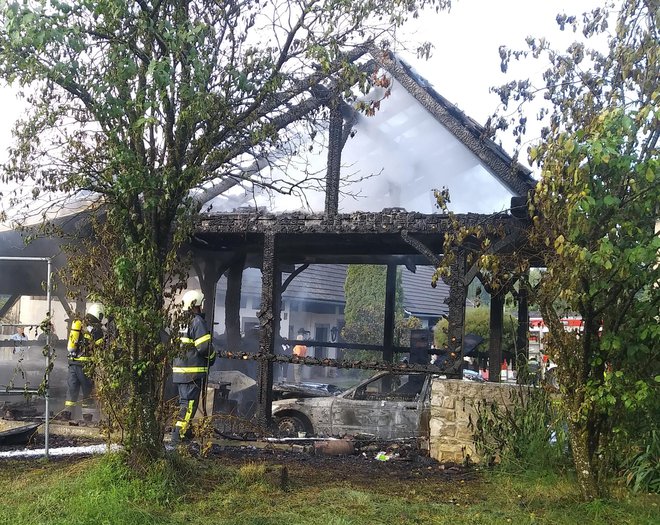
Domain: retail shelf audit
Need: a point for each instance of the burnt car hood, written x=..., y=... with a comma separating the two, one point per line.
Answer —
x=304, y=390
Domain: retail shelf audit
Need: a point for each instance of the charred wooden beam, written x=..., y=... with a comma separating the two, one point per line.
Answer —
x=390, y=304
x=341, y=363
x=495, y=337
x=233, y=302
x=421, y=248
x=208, y=270
x=335, y=145
x=456, y=320
x=353, y=223
x=522, y=330
x=268, y=325
x=293, y=275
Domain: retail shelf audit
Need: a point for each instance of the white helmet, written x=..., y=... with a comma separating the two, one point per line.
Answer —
x=192, y=298
x=95, y=310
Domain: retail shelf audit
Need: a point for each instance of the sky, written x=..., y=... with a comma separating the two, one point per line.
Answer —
x=465, y=60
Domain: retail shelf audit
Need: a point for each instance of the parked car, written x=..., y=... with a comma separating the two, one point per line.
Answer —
x=472, y=375
x=388, y=405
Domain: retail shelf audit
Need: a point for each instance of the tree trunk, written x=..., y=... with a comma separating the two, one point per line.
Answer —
x=144, y=440
x=582, y=458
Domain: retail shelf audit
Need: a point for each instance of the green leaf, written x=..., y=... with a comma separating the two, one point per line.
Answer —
x=611, y=200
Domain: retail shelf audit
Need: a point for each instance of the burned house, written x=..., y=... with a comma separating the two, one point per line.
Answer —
x=377, y=207
x=415, y=143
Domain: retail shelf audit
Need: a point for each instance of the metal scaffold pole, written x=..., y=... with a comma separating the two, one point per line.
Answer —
x=48, y=356
x=48, y=360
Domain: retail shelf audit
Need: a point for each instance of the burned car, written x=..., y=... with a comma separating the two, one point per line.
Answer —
x=285, y=390
x=388, y=405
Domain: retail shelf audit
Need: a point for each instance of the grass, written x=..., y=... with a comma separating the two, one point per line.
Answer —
x=101, y=491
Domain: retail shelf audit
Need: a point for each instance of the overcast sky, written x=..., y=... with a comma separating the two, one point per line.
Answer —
x=465, y=61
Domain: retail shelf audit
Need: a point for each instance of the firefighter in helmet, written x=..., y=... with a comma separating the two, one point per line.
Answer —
x=191, y=366
x=84, y=337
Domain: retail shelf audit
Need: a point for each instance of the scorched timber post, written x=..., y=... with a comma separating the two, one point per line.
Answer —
x=233, y=304
x=388, y=325
x=522, y=330
x=456, y=321
x=269, y=324
x=495, y=339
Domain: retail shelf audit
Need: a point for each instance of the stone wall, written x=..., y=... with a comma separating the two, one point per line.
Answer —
x=452, y=408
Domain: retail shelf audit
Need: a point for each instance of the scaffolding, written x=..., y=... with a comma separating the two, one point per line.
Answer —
x=47, y=354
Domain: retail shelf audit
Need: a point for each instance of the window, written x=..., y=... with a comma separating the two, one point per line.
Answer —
x=393, y=387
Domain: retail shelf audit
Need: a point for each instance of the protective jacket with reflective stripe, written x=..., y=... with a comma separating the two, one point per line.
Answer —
x=197, y=352
x=81, y=344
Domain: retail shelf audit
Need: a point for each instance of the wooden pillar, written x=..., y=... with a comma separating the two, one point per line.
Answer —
x=390, y=304
x=208, y=272
x=233, y=305
x=456, y=321
x=522, y=330
x=334, y=159
x=495, y=340
x=269, y=326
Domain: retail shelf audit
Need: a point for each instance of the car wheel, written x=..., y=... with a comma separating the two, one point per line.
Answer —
x=289, y=426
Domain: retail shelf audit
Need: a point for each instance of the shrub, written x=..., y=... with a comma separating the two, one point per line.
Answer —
x=528, y=432
x=642, y=472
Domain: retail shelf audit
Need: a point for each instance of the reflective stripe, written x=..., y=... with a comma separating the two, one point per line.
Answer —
x=81, y=358
x=189, y=369
x=70, y=404
x=98, y=341
x=212, y=356
x=186, y=340
x=202, y=339
x=183, y=425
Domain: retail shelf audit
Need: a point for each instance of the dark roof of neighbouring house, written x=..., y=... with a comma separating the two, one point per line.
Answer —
x=420, y=298
x=322, y=282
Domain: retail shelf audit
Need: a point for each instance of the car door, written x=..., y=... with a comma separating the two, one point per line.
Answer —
x=388, y=406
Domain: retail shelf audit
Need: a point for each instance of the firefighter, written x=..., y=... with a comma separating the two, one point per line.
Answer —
x=85, y=335
x=190, y=368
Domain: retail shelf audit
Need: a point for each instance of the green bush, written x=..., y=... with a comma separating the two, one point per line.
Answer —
x=477, y=321
x=529, y=432
x=642, y=472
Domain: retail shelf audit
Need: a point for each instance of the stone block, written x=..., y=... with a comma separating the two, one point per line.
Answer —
x=453, y=453
x=447, y=430
x=445, y=414
x=464, y=433
x=449, y=402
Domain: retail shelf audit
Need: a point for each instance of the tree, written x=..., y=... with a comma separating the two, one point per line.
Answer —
x=477, y=321
x=364, y=313
x=136, y=104
x=593, y=228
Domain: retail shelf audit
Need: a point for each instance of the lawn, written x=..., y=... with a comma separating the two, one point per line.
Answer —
x=297, y=489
